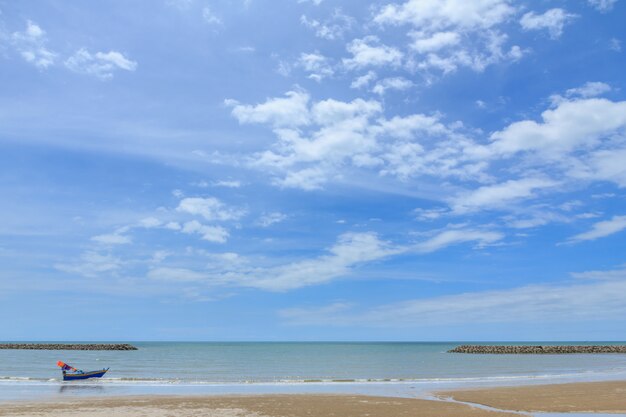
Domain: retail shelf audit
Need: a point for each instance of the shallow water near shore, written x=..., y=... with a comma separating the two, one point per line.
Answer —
x=395, y=369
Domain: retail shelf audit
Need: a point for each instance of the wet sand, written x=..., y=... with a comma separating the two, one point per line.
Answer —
x=599, y=397
x=588, y=397
x=249, y=406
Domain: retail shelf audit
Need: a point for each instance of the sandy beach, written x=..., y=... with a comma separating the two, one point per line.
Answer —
x=605, y=397
x=599, y=397
x=249, y=406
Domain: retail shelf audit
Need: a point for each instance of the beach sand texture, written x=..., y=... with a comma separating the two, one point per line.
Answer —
x=249, y=406
x=599, y=397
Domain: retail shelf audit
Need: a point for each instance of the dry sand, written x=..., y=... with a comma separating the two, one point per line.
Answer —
x=249, y=406
x=599, y=397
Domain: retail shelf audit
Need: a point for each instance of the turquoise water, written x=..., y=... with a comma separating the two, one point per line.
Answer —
x=387, y=368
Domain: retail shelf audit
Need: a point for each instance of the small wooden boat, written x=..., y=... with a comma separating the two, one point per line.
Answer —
x=78, y=374
x=83, y=375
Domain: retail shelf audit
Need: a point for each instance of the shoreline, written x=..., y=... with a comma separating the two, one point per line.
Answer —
x=504, y=401
x=26, y=390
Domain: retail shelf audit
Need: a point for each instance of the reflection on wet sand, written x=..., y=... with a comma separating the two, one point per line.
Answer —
x=80, y=389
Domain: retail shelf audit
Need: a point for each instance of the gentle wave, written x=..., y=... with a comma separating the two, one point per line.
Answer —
x=176, y=381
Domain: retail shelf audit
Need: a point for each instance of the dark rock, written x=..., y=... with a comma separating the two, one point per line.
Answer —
x=537, y=349
x=68, y=346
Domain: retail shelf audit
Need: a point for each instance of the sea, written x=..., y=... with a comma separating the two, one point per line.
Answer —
x=403, y=369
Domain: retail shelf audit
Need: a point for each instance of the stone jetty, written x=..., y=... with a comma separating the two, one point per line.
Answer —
x=68, y=346
x=537, y=349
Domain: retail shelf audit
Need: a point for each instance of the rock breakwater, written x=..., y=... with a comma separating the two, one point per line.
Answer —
x=68, y=346
x=538, y=349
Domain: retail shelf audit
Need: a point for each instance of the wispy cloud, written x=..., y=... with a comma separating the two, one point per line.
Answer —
x=100, y=64
x=456, y=236
x=209, y=16
x=332, y=28
x=92, y=264
x=553, y=20
x=602, y=5
x=499, y=195
x=31, y=44
x=601, y=229
x=548, y=303
x=269, y=219
x=210, y=208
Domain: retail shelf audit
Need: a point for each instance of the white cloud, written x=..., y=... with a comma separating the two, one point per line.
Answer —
x=602, y=5
x=554, y=20
x=333, y=134
x=350, y=250
x=577, y=139
x=31, y=44
x=442, y=14
x=100, y=64
x=394, y=83
x=499, y=195
x=269, y=219
x=209, y=233
x=341, y=131
x=488, y=49
x=290, y=111
x=572, y=124
x=370, y=52
x=210, y=208
x=406, y=127
x=363, y=80
x=210, y=17
x=307, y=179
x=172, y=226
x=430, y=214
x=589, y=89
x=332, y=28
x=601, y=229
x=431, y=42
x=150, y=222
x=449, y=34
x=456, y=236
x=605, y=165
x=318, y=66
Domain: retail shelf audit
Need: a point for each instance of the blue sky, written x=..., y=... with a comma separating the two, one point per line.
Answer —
x=313, y=170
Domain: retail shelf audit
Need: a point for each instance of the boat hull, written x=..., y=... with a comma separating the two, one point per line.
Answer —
x=85, y=375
